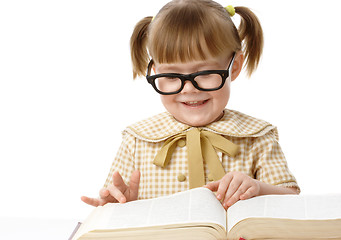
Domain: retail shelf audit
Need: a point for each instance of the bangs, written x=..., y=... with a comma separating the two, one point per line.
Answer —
x=191, y=33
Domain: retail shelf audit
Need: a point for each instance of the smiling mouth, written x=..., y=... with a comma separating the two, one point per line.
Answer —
x=195, y=103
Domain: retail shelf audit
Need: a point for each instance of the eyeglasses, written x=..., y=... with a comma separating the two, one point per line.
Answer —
x=173, y=83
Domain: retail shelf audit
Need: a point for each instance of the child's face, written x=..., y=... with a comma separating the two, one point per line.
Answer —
x=192, y=106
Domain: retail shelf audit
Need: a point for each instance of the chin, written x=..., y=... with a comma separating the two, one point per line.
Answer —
x=197, y=122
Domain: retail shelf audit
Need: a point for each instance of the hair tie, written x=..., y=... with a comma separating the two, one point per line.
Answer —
x=230, y=9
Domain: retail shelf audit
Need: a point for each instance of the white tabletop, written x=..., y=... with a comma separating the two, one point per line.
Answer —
x=37, y=229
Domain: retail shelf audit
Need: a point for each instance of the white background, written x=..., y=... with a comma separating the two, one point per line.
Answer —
x=66, y=93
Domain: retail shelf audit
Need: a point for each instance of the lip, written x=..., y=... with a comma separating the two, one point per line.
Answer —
x=195, y=104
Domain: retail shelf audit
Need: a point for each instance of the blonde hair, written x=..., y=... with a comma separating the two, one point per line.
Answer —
x=189, y=30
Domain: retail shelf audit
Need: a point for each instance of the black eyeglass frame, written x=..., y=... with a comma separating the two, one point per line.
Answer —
x=189, y=77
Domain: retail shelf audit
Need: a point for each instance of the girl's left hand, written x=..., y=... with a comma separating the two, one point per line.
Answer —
x=234, y=186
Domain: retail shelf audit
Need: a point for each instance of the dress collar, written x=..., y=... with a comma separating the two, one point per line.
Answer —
x=233, y=123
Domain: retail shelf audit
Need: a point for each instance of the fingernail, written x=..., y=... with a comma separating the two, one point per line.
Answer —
x=219, y=196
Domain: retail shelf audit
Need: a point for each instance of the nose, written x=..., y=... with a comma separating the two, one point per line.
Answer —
x=189, y=87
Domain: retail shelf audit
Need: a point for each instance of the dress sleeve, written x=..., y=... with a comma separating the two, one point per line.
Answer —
x=124, y=160
x=270, y=165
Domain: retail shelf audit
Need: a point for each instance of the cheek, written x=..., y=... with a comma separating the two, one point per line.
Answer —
x=167, y=101
x=222, y=96
x=164, y=99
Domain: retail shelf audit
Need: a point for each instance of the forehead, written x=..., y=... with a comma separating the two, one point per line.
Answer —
x=192, y=66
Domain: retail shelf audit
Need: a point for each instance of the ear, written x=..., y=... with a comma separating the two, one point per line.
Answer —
x=237, y=65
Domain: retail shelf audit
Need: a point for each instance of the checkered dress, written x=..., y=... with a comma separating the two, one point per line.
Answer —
x=260, y=154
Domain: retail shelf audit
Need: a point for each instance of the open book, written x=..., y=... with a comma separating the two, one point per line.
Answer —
x=197, y=214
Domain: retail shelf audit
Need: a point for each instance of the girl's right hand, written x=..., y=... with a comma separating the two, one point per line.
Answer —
x=117, y=192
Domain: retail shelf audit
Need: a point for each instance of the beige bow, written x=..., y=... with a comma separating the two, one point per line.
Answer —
x=201, y=145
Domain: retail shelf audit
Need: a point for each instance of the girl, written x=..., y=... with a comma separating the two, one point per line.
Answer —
x=196, y=51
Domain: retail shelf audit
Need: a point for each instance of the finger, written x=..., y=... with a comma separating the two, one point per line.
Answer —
x=233, y=187
x=104, y=193
x=91, y=201
x=116, y=194
x=223, y=186
x=134, y=185
x=251, y=192
x=232, y=200
x=118, y=181
x=236, y=196
x=213, y=186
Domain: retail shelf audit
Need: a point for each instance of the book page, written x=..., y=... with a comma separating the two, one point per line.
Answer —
x=193, y=206
x=323, y=207
x=197, y=205
x=299, y=207
x=206, y=207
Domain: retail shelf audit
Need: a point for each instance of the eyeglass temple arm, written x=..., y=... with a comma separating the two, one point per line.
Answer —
x=149, y=67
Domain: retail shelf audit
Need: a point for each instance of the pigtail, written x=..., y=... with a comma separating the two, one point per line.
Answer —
x=251, y=33
x=138, y=47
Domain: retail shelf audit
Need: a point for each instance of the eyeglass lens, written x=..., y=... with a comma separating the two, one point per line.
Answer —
x=173, y=84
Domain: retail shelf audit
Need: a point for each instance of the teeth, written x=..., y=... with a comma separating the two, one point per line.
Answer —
x=194, y=103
